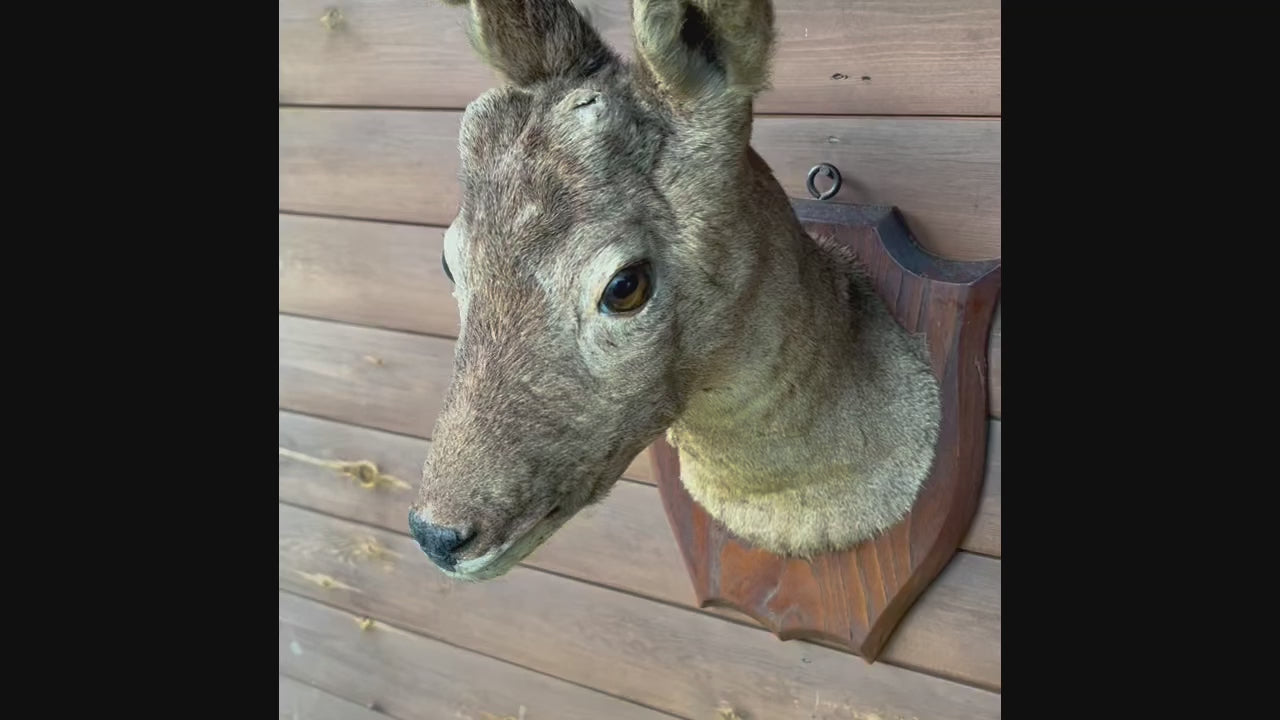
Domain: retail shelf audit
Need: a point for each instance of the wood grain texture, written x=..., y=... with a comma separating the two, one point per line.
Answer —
x=299, y=701
x=625, y=543
x=668, y=658
x=857, y=597
x=387, y=275
x=389, y=380
x=369, y=273
x=994, y=363
x=942, y=174
x=886, y=57
x=984, y=533
x=881, y=57
x=397, y=455
x=377, y=164
x=401, y=165
x=401, y=457
x=411, y=677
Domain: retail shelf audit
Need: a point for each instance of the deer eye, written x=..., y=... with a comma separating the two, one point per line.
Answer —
x=628, y=290
x=445, y=264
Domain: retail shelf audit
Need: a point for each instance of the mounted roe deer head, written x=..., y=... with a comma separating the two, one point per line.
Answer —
x=626, y=265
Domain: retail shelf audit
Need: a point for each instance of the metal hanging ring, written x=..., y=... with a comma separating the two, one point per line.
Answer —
x=830, y=171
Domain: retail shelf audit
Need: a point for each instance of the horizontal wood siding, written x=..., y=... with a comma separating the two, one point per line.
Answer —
x=670, y=658
x=902, y=96
x=299, y=701
x=401, y=165
x=367, y=273
x=409, y=676
x=834, y=57
x=402, y=456
x=626, y=543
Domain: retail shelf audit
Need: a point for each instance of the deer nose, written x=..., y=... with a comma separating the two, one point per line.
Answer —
x=438, y=542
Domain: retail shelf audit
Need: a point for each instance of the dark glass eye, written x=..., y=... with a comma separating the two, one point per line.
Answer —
x=628, y=290
x=445, y=263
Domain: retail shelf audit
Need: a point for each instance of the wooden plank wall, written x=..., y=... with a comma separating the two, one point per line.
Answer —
x=902, y=95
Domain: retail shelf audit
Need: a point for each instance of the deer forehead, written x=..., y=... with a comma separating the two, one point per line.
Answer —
x=539, y=166
x=579, y=134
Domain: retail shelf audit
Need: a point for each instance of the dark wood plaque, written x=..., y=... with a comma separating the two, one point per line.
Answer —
x=856, y=598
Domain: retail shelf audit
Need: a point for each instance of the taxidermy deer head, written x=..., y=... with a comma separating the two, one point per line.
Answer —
x=626, y=265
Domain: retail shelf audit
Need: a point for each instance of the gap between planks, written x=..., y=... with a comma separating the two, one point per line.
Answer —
x=677, y=634
x=370, y=428
x=338, y=699
x=724, y=614
x=442, y=336
x=416, y=633
x=331, y=216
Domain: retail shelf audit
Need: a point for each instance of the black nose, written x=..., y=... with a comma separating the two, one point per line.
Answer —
x=439, y=543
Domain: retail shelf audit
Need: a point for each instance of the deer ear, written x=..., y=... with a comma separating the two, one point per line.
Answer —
x=705, y=47
x=532, y=40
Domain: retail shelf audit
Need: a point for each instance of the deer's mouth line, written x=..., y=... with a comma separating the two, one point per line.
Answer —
x=499, y=560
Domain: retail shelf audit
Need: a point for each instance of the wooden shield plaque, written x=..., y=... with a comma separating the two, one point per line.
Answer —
x=855, y=598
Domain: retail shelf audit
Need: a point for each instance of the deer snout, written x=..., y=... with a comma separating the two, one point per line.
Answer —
x=440, y=543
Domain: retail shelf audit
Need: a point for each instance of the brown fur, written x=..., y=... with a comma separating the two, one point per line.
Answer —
x=804, y=416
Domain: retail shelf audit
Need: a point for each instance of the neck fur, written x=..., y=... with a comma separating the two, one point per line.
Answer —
x=821, y=429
